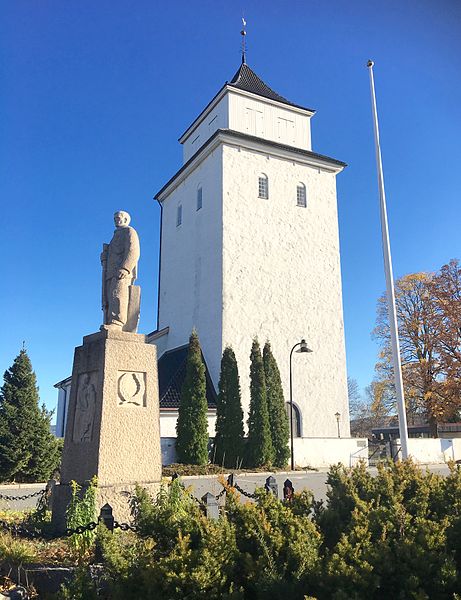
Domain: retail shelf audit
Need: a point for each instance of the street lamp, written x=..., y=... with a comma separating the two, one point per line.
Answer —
x=337, y=415
x=302, y=348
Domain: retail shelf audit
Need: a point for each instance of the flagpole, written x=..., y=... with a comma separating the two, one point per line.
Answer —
x=403, y=430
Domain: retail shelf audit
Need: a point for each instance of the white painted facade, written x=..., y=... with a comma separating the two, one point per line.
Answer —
x=243, y=266
x=248, y=113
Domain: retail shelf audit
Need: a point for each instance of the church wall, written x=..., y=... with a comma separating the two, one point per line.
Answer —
x=282, y=281
x=215, y=119
x=263, y=119
x=191, y=262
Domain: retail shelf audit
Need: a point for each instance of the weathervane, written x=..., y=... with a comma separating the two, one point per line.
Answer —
x=243, y=34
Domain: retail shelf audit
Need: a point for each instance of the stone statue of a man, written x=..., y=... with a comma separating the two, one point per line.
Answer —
x=120, y=298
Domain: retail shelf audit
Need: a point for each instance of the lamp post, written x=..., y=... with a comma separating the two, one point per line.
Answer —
x=302, y=348
x=338, y=415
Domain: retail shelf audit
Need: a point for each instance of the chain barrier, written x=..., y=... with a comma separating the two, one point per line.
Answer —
x=25, y=497
x=243, y=492
x=125, y=526
x=221, y=493
x=34, y=533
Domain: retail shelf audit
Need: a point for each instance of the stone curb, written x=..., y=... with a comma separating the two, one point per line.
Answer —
x=20, y=486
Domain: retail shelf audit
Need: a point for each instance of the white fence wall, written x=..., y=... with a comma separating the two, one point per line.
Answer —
x=323, y=452
x=434, y=450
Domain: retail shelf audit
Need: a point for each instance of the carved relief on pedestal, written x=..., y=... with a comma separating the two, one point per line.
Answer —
x=85, y=407
x=131, y=388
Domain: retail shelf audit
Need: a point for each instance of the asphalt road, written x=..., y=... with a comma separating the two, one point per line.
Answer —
x=315, y=481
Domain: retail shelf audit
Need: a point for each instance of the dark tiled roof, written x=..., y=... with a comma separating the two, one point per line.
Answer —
x=171, y=374
x=247, y=80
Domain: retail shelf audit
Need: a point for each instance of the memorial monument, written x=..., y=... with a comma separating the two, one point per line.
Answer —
x=113, y=428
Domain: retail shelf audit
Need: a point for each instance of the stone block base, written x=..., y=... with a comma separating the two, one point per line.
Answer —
x=118, y=496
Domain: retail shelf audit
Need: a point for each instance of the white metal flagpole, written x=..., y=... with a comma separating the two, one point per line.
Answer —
x=389, y=279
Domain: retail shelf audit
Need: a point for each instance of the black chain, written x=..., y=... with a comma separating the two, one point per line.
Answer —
x=125, y=526
x=199, y=502
x=26, y=497
x=221, y=493
x=77, y=530
x=247, y=494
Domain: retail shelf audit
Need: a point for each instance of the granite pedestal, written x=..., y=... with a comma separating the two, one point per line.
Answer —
x=113, y=423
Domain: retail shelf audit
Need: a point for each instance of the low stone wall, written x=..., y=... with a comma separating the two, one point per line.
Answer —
x=323, y=452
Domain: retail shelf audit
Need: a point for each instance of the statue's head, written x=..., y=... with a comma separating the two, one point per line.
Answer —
x=121, y=218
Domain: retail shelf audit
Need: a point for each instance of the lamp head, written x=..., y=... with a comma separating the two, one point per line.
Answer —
x=303, y=347
x=337, y=415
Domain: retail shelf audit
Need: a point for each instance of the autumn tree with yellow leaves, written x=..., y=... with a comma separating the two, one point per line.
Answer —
x=429, y=323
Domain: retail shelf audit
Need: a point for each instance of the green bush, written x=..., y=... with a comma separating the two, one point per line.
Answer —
x=396, y=535
x=81, y=511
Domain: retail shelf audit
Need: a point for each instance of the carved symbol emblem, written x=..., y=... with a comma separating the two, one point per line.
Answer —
x=131, y=389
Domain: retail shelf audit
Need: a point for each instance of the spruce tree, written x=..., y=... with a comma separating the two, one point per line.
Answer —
x=191, y=427
x=278, y=418
x=228, y=442
x=28, y=450
x=259, y=446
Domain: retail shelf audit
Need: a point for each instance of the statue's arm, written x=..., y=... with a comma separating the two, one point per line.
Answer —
x=132, y=251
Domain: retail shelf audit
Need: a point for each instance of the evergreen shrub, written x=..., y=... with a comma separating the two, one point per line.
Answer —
x=29, y=452
x=228, y=444
x=192, y=425
x=259, y=445
x=278, y=419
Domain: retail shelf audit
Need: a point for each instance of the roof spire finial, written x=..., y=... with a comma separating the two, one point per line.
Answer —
x=243, y=34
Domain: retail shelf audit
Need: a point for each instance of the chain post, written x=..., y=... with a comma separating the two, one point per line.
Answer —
x=230, y=480
x=106, y=517
x=288, y=490
x=271, y=486
x=49, y=493
x=211, y=506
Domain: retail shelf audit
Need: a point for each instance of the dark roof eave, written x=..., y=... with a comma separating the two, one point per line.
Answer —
x=238, y=134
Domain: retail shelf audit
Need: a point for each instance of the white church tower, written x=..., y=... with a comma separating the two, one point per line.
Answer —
x=250, y=247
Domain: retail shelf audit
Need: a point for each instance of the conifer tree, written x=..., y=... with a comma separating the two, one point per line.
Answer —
x=191, y=427
x=278, y=418
x=259, y=446
x=28, y=450
x=228, y=443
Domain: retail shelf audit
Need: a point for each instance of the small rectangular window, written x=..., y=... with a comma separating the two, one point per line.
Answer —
x=263, y=187
x=301, y=196
x=179, y=216
x=199, y=198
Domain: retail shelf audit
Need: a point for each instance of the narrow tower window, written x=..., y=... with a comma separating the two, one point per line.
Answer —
x=263, y=186
x=199, y=197
x=301, y=195
x=179, y=215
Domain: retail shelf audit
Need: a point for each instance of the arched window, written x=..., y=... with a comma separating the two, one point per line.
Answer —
x=296, y=419
x=179, y=215
x=199, y=197
x=301, y=195
x=263, y=186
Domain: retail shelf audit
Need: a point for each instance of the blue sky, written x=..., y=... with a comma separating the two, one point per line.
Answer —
x=95, y=94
